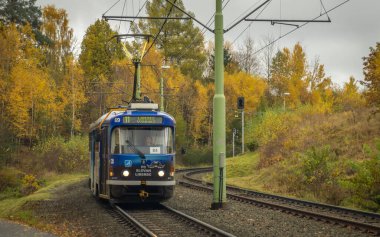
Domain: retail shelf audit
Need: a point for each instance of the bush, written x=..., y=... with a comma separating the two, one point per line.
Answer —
x=365, y=184
x=14, y=183
x=29, y=185
x=317, y=173
x=10, y=178
x=197, y=156
x=62, y=156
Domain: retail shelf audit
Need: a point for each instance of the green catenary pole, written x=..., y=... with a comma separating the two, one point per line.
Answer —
x=219, y=115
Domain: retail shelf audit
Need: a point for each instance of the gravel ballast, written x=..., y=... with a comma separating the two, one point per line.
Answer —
x=243, y=219
x=74, y=212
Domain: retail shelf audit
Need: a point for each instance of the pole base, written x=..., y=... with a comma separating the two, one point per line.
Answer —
x=218, y=205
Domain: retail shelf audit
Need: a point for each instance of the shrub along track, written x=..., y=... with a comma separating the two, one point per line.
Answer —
x=364, y=221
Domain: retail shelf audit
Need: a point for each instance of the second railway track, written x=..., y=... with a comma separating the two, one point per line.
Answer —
x=365, y=221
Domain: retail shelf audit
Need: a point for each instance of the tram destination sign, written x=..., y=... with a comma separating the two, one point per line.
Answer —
x=142, y=120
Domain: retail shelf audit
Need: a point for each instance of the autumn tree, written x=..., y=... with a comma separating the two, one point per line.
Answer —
x=10, y=43
x=350, y=97
x=320, y=87
x=55, y=26
x=180, y=41
x=31, y=102
x=289, y=75
x=252, y=88
x=371, y=72
x=72, y=96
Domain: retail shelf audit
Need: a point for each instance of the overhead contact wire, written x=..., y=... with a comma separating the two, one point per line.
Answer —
x=282, y=36
x=241, y=33
x=111, y=7
x=162, y=27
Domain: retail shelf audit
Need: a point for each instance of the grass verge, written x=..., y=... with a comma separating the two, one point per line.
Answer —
x=12, y=208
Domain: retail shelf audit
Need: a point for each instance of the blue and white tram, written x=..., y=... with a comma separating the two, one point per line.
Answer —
x=132, y=154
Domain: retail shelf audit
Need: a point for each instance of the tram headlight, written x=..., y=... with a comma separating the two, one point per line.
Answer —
x=125, y=173
x=161, y=173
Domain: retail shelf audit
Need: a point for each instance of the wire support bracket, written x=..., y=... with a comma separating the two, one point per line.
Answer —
x=118, y=18
x=187, y=14
x=284, y=20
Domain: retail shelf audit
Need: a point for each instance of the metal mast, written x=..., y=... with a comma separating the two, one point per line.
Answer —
x=219, y=115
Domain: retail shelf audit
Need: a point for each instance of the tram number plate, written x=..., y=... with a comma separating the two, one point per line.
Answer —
x=155, y=150
x=143, y=172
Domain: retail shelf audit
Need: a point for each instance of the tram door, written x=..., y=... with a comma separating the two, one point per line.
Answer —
x=103, y=161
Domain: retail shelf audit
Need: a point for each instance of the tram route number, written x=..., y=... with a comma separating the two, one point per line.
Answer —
x=143, y=172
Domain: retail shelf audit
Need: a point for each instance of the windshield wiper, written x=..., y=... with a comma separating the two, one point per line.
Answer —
x=135, y=150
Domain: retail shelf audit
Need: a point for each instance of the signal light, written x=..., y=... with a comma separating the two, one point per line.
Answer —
x=240, y=103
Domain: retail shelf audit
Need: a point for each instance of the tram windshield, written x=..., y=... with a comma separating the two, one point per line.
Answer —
x=148, y=140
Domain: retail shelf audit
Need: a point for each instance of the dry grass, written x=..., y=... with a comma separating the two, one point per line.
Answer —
x=345, y=133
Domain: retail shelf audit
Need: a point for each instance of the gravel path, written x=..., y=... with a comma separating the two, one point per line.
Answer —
x=10, y=229
x=75, y=212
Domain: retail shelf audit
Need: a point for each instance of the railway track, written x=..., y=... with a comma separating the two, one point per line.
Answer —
x=161, y=220
x=364, y=221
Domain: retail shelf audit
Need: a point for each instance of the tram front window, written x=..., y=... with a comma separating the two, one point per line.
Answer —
x=149, y=140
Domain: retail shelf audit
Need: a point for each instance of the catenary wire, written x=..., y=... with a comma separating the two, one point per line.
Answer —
x=291, y=31
x=133, y=22
x=162, y=27
x=122, y=13
x=111, y=7
x=249, y=25
x=245, y=12
x=203, y=31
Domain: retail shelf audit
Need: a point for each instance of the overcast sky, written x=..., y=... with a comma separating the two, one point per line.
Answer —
x=339, y=45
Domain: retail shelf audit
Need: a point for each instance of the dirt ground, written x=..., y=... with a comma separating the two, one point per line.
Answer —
x=75, y=212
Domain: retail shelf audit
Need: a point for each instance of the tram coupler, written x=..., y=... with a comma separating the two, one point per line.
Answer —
x=143, y=194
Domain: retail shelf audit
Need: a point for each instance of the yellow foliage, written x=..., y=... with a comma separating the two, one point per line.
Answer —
x=30, y=100
x=29, y=184
x=252, y=88
x=242, y=84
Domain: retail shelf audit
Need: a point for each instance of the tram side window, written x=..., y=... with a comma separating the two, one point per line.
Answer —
x=115, y=142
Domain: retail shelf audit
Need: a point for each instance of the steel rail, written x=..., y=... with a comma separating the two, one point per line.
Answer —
x=135, y=222
x=295, y=211
x=367, y=227
x=200, y=225
x=199, y=222
x=282, y=198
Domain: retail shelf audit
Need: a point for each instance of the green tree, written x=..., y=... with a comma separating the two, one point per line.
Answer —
x=230, y=62
x=371, y=72
x=98, y=51
x=96, y=58
x=179, y=41
x=22, y=12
